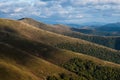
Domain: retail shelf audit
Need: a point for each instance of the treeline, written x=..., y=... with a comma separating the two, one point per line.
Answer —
x=96, y=32
x=112, y=42
x=92, y=50
x=92, y=71
x=64, y=76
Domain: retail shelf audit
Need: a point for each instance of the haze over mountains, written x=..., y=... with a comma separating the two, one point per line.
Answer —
x=31, y=50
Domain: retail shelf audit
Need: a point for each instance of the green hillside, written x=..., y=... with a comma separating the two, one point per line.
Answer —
x=111, y=41
x=91, y=71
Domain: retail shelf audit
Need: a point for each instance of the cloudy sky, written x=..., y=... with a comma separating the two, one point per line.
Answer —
x=62, y=11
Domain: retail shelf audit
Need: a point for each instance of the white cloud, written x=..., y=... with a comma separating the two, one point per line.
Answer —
x=94, y=2
x=78, y=16
x=60, y=9
x=18, y=10
x=116, y=14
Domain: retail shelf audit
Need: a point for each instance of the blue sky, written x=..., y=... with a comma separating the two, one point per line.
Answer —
x=62, y=11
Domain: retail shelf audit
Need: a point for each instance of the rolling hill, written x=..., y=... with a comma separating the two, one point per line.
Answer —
x=30, y=53
x=64, y=42
x=16, y=64
x=112, y=42
x=107, y=41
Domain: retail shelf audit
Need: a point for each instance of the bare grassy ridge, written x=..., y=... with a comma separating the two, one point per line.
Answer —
x=44, y=51
x=39, y=35
x=62, y=29
x=26, y=48
x=54, y=28
x=32, y=33
x=10, y=72
x=112, y=41
x=20, y=65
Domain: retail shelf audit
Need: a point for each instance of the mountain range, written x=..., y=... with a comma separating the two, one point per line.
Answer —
x=31, y=50
x=110, y=29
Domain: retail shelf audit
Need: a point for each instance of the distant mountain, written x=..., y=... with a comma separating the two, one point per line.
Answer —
x=112, y=27
x=74, y=25
x=94, y=24
x=87, y=24
x=83, y=30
